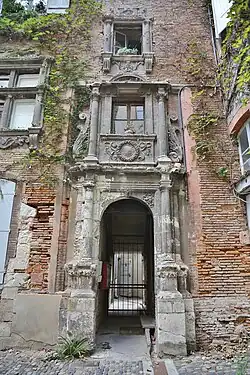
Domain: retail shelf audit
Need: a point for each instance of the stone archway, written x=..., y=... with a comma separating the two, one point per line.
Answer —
x=126, y=248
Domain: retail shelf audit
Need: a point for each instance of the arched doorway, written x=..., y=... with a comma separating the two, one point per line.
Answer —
x=126, y=250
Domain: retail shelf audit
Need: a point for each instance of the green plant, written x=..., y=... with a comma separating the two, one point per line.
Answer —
x=242, y=365
x=127, y=51
x=70, y=347
x=55, y=36
x=234, y=68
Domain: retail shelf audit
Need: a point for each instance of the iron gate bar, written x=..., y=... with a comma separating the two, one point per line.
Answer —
x=127, y=289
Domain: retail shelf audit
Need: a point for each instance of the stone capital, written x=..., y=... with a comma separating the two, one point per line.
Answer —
x=80, y=274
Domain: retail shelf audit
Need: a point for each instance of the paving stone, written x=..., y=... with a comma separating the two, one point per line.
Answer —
x=28, y=362
x=196, y=365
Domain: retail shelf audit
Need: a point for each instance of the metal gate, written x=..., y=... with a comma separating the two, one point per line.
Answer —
x=127, y=294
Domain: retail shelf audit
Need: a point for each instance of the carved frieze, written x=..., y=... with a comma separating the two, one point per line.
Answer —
x=128, y=151
x=127, y=148
x=128, y=66
x=13, y=141
x=80, y=275
x=136, y=12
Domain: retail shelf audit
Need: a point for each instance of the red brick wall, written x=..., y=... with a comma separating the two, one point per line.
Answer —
x=43, y=200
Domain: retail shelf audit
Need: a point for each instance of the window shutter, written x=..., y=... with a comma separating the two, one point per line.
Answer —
x=57, y=6
x=22, y=114
x=6, y=206
x=220, y=10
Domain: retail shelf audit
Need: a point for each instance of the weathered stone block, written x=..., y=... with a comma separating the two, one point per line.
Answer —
x=9, y=292
x=5, y=329
x=37, y=317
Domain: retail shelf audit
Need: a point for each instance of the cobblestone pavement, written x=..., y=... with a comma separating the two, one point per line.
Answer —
x=28, y=362
x=210, y=365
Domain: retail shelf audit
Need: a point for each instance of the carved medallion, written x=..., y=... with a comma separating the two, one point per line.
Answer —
x=128, y=151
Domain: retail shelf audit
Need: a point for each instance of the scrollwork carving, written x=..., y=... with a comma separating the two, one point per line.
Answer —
x=149, y=199
x=132, y=12
x=174, y=141
x=80, y=144
x=128, y=66
x=13, y=141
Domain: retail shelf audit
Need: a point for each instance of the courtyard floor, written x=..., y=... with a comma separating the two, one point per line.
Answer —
x=120, y=355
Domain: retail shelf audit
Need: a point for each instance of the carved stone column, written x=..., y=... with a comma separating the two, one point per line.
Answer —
x=108, y=34
x=165, y=219
x=36, y=122
x=81, y=272
x=146, y=36
x=176, y=224
x=108, y=44
x=87, y=230
x=92, y=151
x=170, y=311
x=162, y=138
x=6, y=110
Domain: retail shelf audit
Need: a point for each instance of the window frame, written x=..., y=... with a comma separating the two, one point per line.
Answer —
x=129, y=120
x=14, y=92
x=246, y=127
x=124, y=25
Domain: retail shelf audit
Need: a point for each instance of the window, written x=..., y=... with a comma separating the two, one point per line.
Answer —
x=127, y=39
x=22, y=113
x=27, y=80
x=6, y=205
x=18, y=112
x=128, y=117
x=57, y=6
x=244, y=147
x=4, y=81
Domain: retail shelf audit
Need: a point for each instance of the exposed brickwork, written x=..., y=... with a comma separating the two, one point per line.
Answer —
x=222, y=283
x=43, y=200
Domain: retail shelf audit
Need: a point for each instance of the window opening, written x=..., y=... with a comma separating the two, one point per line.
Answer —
x=27, y=80
x=4, y=81
x=128, y=118
x=244, y=147
x=128, y=39
x=22, y=113
x=19, y=111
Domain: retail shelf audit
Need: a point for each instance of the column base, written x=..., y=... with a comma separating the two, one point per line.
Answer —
x=91, y=159
x=170, y=324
